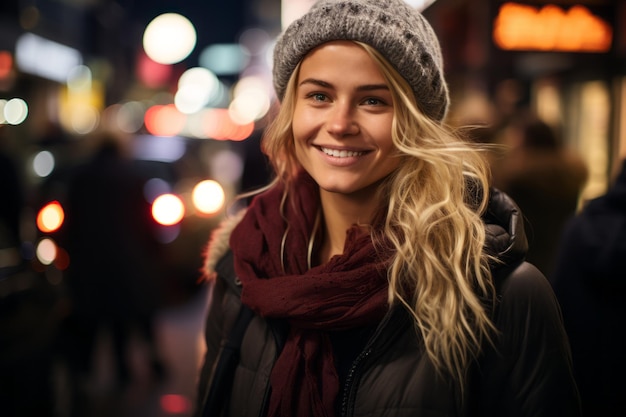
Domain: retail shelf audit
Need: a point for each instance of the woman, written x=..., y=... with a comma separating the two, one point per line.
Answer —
x=379, y=274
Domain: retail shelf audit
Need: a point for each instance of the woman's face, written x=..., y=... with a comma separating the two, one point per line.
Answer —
x=342, y=119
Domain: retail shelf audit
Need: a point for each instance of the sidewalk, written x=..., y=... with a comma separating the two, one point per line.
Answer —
x=179, y=334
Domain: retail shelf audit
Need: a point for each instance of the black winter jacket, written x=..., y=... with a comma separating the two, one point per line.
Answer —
x=527, y=373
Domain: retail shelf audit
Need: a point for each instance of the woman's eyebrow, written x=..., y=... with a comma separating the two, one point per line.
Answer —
x=366, y=87
x=315, y=81
x=372, y=87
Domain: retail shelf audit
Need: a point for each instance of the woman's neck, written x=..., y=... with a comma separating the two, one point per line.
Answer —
x=340, y=212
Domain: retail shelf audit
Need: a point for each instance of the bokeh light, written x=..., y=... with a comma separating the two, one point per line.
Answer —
x=194, y=127
x=169, y=38
x=224, y=59
x=168, y=209
x=168, y=234
x=175, y=404
x=129, y=116
x=6, y=64
x=155, y=187
x=251, y=100
x=84, y=119
x=43, y=164
x=151, y=73
x=197, y=87
x=79, y=79
x=46, y=251
x=218, y=124
x=45, y=58
x=50, y=217
x=208, y=197
x=158, y=148
x=15, y=111
x=164, y=120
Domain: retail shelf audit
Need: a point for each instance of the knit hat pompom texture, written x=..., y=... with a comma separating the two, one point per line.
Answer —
x=400, y=33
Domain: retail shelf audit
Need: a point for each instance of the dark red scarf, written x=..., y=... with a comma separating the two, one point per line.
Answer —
x=349, y=291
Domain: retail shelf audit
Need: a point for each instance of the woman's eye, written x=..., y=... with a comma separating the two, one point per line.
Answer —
x=372, y=101
x=318, y=96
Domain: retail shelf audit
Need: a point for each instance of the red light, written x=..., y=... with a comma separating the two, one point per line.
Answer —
x=151, y=73
x=175, y=404
x=243, y=132
x=164, y=120
x=218, y=125
x=6, y=64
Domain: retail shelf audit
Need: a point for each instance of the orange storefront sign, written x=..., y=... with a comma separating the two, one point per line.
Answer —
x=550, y=28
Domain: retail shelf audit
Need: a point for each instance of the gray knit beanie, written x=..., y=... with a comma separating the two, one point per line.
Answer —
x=400, y=33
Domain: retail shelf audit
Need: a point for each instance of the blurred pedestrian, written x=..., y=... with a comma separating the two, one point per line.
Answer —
x=544, y=178
x=590, y=283
x=113, y=277
x=378, y=275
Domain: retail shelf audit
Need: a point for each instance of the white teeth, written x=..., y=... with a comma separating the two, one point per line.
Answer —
x=341, y=154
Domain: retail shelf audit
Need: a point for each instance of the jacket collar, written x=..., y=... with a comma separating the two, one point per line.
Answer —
x=218, y=244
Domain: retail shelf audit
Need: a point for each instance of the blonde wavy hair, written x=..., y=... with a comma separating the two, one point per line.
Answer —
x=430, y=214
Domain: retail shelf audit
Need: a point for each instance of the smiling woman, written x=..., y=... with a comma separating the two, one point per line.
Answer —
x=342, y=125
x=378, y=274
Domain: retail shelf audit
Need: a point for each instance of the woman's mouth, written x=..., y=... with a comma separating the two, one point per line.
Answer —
x=336, y=153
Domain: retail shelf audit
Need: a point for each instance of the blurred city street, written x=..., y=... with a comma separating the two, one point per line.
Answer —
x=179, y=332
x=40, y=350
x=120, y=153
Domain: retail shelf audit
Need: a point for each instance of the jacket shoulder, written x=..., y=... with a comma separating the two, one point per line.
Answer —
x=524, y=288
x=524, y=274
x=529, y=371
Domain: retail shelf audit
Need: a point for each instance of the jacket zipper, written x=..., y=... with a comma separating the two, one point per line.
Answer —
x=358, y=365
x=349, y=391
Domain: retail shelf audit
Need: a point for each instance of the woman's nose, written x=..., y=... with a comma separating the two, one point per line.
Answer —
x=342, y=120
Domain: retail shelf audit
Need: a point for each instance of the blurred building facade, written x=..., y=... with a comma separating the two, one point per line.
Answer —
x=565, y=60
x=575, y=88
x=499, y=56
